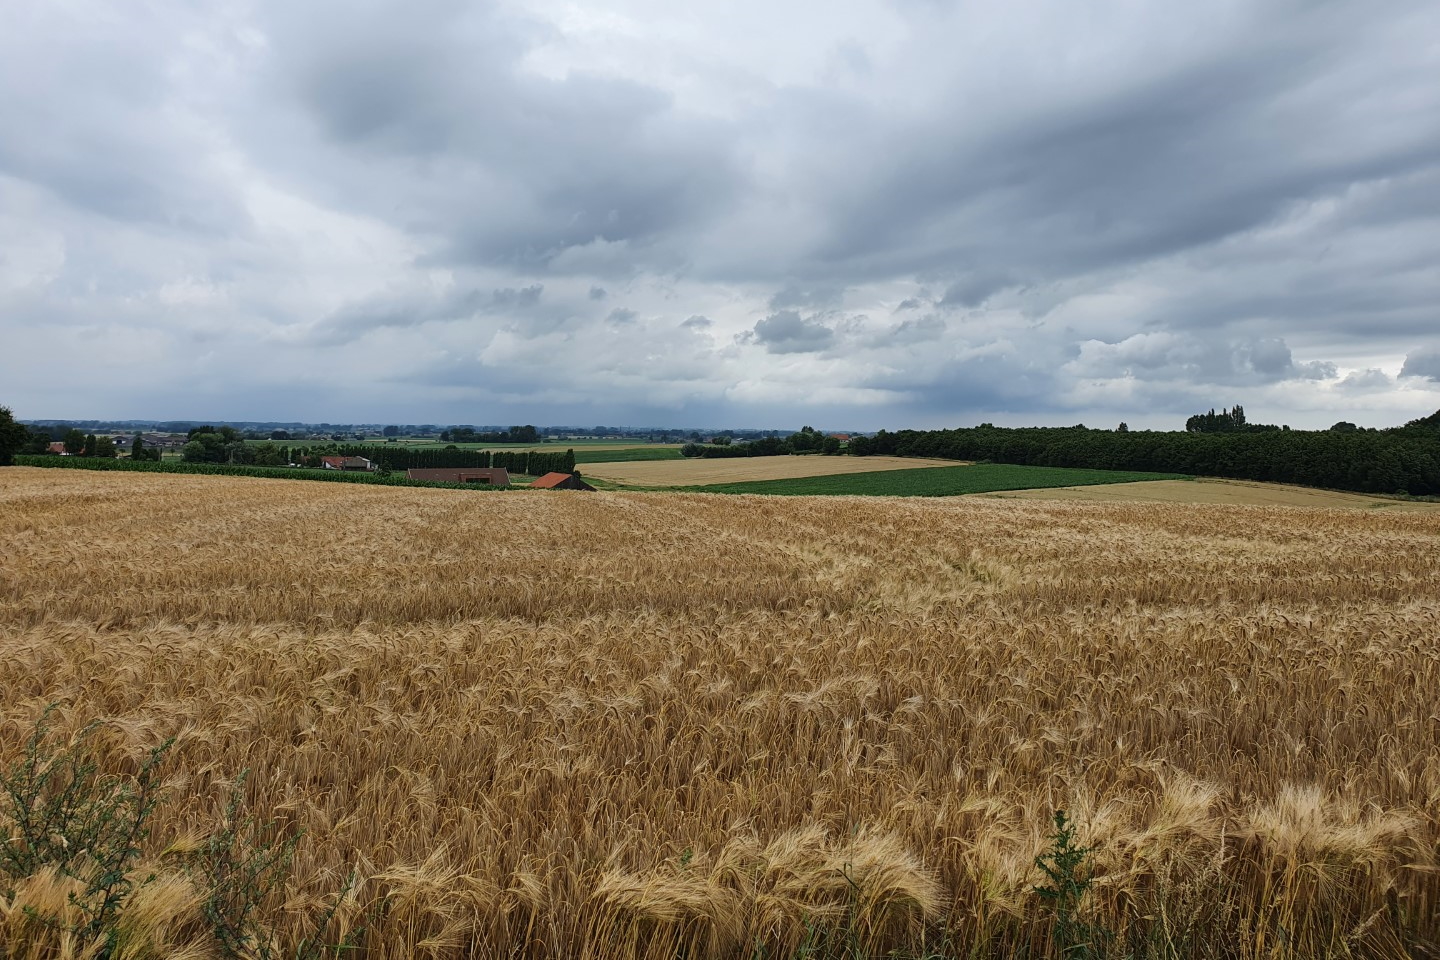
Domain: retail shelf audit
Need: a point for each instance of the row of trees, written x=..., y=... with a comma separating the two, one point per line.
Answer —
x=13, y=437
x=17, y=438
x=79, y=444
x=1401, y=460
x=209, y=444
x=404, y=458
x=224, y=445
x=516, y=461
x=525, y=434
x=805, y=440
x=534, y=462
x=1227, y=421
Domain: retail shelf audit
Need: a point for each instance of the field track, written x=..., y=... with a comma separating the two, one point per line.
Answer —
x=641, y=726
x=1231, y=492
x=699, y=471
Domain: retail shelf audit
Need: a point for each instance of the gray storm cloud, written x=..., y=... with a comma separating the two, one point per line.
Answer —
x=787, y=332
x=895, y=214
x=1423, y=363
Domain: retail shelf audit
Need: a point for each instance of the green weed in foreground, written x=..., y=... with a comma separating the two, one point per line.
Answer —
x=1068, y=878
x=937, y=481
x=66, y=825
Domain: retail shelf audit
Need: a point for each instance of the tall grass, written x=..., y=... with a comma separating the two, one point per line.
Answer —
x=636, y=726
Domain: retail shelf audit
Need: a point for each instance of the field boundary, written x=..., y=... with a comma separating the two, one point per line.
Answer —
x=936, y=481
x=1247, y=493
x=238, y=470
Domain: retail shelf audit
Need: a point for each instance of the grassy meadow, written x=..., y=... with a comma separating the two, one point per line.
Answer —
x=629, y=725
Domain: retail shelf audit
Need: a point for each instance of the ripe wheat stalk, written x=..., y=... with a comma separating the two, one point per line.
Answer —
x=641, y=726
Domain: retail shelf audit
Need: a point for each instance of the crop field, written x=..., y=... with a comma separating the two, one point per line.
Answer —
x=548, y=446
x=947, y=481
x=626, y=454
x=656, y=725
x=705, y=472
x=1235, y=492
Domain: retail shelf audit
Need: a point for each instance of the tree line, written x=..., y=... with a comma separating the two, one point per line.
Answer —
x=533, y=462
x=16, y=438
x=1226, y=421
x=1399, y=460
x=226, y=445
x=211, y=445
x=525, y=434
x=241, y=470
x=805, y=440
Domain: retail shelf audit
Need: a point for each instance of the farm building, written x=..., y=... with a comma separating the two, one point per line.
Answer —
x=164, y=441
x=559, y=481
x=347, y=463
x=494, y=476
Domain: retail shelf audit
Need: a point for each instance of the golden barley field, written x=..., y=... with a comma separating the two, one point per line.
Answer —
x=620, y=726
x=1238, y=492
x=699, y=472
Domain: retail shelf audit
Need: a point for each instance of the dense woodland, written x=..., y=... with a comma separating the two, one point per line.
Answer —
x=1401, y=460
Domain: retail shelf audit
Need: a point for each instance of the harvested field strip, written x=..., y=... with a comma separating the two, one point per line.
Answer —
x=705, y=472
x=653, y=725
x=946, y=481
x=1233, y=492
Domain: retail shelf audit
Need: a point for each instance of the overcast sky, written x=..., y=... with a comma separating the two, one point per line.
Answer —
x=739, y=213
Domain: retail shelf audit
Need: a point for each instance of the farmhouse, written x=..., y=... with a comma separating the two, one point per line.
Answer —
x=559, y=481
x=494, y=476
x=346, y=463
x=164, y=441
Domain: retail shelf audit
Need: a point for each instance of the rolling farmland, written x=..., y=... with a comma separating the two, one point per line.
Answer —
x=628, y=725
x=627, y=454
x=1235, y=492
x=703, y=472
x=947, y=481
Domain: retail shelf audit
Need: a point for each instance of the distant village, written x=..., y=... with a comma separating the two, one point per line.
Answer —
x=156, y=445
x=525, y=457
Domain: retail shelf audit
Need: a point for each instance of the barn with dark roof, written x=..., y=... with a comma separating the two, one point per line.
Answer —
x=560, y=481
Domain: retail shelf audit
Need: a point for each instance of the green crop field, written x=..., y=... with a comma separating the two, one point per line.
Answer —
x=937, y=481
x=626, y=454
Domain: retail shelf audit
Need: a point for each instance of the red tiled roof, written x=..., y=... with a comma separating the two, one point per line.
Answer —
x=549, y=481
